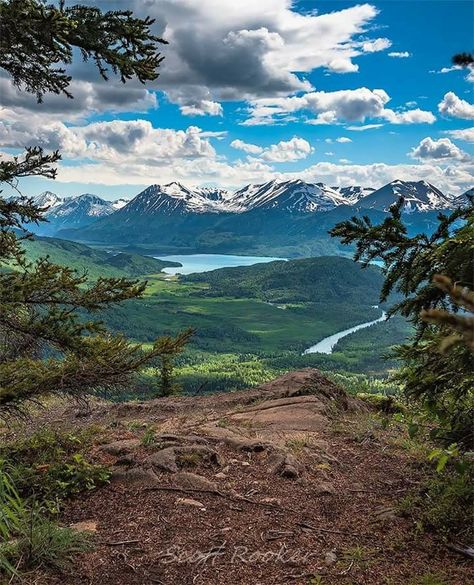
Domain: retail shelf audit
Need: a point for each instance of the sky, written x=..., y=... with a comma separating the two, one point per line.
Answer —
x=253, y=90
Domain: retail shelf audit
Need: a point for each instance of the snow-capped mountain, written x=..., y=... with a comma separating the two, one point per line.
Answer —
x=79, y=211
x=172, y=198
x=119, y=203
x=418, y=196
x=354, y=193
x=463, y=200
x=294, y=196
x=48, y=199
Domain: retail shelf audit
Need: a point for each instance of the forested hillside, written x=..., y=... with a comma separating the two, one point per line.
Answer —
x=325, y=279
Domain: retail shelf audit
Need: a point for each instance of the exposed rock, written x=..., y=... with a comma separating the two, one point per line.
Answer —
x=191, y=481
x=164, y=460
x=135, y=475
x=203, y=453
x=123, y=447
x=324, y=488
x=286, y=465
x=170, y=458
x=220, y=475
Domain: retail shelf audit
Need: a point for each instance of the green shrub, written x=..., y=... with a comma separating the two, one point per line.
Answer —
x=51, y=466
x=385, y=404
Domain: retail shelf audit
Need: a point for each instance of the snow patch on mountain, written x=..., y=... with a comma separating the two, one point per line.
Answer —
x=417, y=195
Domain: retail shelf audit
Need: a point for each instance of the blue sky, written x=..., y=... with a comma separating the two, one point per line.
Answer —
x=329, y=91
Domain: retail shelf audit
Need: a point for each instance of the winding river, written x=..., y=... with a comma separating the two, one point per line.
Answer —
x=327, y=344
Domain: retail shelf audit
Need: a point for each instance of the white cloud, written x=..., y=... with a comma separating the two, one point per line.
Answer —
x=202, y=108
x=466, y=134
x=351, y=105
x=246, y=147
x=364, y=127
x=440, y=150
x=343, y=139
x=344, y=161
x=470, y=71
x=285, y=151
x=250, y=50
x=399, y=54
x=291, y=150
x=415, y=116
x=115, y=142
x=452, y=105
x=376, y=45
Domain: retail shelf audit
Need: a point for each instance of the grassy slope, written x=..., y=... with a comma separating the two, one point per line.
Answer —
x=96, y=262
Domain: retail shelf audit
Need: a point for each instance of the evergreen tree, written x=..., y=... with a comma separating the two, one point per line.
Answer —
x=36, y=37
x=423, y=269
x=46, y=346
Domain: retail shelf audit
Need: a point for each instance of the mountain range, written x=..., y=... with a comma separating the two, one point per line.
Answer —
x=257, y=217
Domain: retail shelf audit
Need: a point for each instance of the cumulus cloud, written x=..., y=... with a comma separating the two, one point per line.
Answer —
x=350, y=105
x=115, y=142
x=466, y=134
x=246, y=147
x=377, y=45
x=452, y=105
x=285, y=151
x=343, y=139
x=399, y=54
x=89, y=98
x=250, y=50
x=202, y=108
x=440, y=150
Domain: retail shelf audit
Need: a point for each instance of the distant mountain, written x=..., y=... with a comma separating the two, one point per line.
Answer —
x=48, y=199
x=281, y=218
x=119, y=203
x=354, y=193
x=292, y=196
x=171, y=199
x=418, y=196
x=464, y=199
x=70, y=212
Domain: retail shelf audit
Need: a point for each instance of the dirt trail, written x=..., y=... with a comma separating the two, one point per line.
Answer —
x=292, y=482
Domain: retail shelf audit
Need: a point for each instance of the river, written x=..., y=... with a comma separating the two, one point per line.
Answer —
x=327, y=344
x=192, y=263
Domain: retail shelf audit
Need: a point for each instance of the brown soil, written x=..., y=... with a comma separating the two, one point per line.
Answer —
x=293, y=482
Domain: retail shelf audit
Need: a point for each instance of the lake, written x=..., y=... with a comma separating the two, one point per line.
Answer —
x=192, y=263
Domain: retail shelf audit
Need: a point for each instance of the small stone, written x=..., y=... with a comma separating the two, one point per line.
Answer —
x=273, y=501
x=189, y=502
x=85, y=526
x=245, y=464
x=325, y=488
x=330, y=558
x=220, y=475
x=233, y=461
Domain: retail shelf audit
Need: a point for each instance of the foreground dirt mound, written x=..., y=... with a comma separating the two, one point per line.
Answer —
x=291, y=482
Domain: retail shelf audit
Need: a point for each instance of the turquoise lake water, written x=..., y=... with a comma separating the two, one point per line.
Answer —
x=205, y=262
